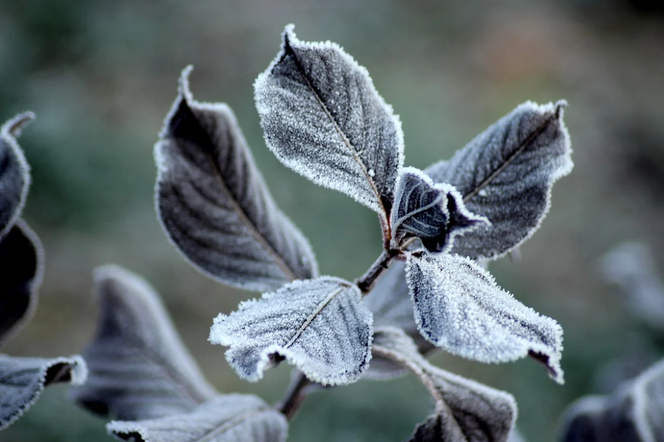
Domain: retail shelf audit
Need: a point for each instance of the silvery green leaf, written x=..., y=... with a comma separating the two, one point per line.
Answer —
x=139, y=367
x=324, y=119
x=506, y=174
x=631, y=266
x=466, y=411
x=318, y=325
x=23, y=379
x=14, y=171
x=215, y=205
x=21, y=269
x=228, y=418
x=633, y=413
x=434, y=213
x=460, y=308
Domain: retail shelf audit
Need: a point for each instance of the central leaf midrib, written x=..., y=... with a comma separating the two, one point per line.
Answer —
x=238, y=419
x=244, y=218
x=338, y=129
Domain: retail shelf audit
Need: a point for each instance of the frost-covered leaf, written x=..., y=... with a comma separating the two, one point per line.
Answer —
x=633, y=413
x=631, y=266
x=506, y=174
x=215, y=205
x=459, y=308
x=434, y=213
x=319, y=325
x=324, y=119
x=21, y=268
x=14, y=171
x=229, y=418
x=23, y=379
x=466, y=411
x=139, y=368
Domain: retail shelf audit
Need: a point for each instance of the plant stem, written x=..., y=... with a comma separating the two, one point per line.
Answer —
x=294, y=397
x=366, y=282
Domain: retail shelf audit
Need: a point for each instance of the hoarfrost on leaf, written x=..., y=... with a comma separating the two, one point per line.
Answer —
x=506, y=174
x=320, y=326
x=459, y=308
x=434, y=213
x=228, y=418
x=466, y=411
x=633, y=413
x=324, y=119
x=23, y=379
x=21, y=269
x=139, y=368
x=14, y=171
x=215, y=205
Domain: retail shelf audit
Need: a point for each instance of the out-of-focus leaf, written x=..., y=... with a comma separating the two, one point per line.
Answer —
x=460, y=308
x=433, y=213
x=319, y=325
x=631, y=266
x=14, y=171
x=139, y=367
x=633, y=413
x=23, y=379
x=215, y=205
x=506, y=174
x=324, y=119
x=21, y=268
x=466, y=411
x=229, y=418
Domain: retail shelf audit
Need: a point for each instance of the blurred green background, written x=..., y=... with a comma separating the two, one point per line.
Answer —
x=102, y=75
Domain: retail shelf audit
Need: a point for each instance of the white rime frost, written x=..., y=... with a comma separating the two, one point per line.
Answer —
x=434, y=213
x=319, y=325
x=459, y=308
x=139, y=367
x=215, y=205
x=228, y=418
x=506, y=174
x=324, y=119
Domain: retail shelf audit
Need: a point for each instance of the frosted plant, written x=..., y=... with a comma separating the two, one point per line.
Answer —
x=22, y=379
x=323, y=118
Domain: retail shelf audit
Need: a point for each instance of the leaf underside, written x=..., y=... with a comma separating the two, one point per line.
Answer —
x=228, y=418
x=324, y=119
x=21, y=268
x=319, y=325
x=23, y=379
x=633, y=413
x=459, y=308
x=139, y=368
x=14, y=171
x=466, y=411
x=506, y=174
x=215, y=205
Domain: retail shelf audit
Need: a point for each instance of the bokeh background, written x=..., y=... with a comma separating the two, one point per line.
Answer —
x=102, y=75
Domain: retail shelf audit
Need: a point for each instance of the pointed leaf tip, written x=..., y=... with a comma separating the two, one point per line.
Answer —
x=324, y=119
x=318, y=325
x=459, y=308
x=215, y=206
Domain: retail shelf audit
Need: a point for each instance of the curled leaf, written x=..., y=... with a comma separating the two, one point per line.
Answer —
x=633, y=413
x=228, y=418
x=318, y=325
x=139, y=367
x=324, y=119
x=506, y=174
x=23, y=379
x=466, y=411
x=460, y=308
x=215, y=205
x=433, y=213
x=21, y=269
x=14, y=171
